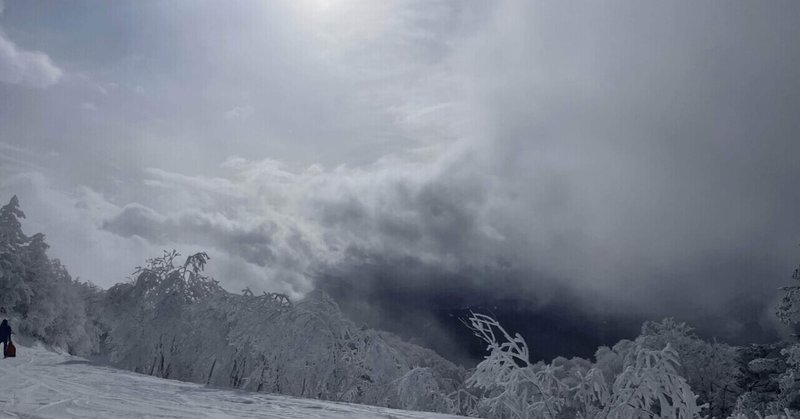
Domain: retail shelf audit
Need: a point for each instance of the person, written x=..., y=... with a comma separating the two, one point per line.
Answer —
x=5, y=335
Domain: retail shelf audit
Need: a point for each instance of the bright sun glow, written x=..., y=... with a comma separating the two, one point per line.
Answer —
x=343, y=21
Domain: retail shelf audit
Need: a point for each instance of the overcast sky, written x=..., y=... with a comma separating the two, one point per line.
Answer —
x=619, y=158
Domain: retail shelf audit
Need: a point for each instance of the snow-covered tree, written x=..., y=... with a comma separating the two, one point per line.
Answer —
x=788, y=311
x=419, y=389
x=789, y=380
x=772, y=372
x=149, y=318
x=711, y=369
x=40, y=296
x=648, y=385
x=611, y=361
x=15, y=293
x=174, y=322
x=11, y=235
x=512, y=386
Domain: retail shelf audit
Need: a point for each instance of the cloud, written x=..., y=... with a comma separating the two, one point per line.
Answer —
x=239, y=113
x=252, y=243
x=18, y=159
x=647, y=175
x=633, y=159
x=82, y=222
x=70, y=221
x=206, y=190
x=222, y=217
x=26, y=68
x=628, y=155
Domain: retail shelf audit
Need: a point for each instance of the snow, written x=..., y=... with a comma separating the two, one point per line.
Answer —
x=39, y=383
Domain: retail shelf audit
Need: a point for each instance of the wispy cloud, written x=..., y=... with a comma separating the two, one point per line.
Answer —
x=239, y=113
x=26, y=68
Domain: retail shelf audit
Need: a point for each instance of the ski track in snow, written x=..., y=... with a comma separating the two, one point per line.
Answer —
x=39, y=383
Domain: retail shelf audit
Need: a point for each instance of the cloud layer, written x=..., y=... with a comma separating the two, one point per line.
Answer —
x=573, y=164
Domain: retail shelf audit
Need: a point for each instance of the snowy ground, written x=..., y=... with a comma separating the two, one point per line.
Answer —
x=43, y=384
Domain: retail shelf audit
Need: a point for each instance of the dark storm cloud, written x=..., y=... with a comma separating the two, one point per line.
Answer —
x=426, y=304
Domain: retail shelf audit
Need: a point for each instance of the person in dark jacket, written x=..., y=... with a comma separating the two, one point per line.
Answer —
x=5, y=335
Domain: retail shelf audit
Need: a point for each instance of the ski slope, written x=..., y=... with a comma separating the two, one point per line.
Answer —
x=44, y=384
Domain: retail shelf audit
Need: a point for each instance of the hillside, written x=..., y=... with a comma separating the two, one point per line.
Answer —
x=44, y=384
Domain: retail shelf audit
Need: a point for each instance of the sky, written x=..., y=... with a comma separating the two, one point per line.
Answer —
x=573, y=167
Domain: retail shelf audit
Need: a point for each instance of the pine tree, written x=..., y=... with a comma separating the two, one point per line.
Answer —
x=41, y=298
x=15, y=294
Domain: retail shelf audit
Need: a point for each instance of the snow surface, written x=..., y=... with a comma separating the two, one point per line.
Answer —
x=39, y=383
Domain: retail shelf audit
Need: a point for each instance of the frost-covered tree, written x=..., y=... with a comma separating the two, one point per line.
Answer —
x=11, y=235
x=611, y=361
x=788, y=311
x=419, y=389
x=790, y=380
x=149, y=318
x=772, y=372
x=38, y=293
x=650, y=387
x=711, y=369
x=647, y=386
x=512, y=386
x=172, y=321
x=15, y=293
x=761, y=365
